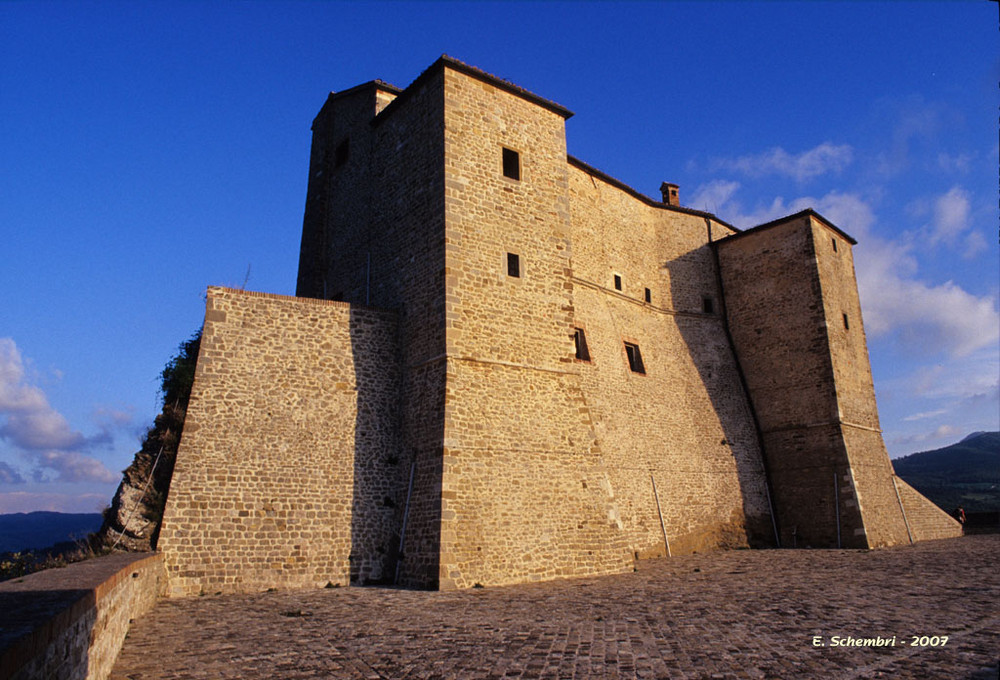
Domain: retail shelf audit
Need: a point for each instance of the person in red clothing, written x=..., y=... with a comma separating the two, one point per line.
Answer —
x=959, y=514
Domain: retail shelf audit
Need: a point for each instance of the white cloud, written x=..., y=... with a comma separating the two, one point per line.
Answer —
x=847, y=211
x=827, y=157
x=975, y=243
x=712, y=196
x=42, y=434
x=925, y=415
x=926, y=318
x=15, y=394
x=71, y=466
x=957, y=163
x=43, y=428
x=951, y=216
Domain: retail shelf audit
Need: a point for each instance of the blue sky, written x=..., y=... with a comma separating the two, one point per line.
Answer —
x=152, y=149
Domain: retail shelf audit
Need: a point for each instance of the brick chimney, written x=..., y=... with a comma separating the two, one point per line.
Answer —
x=669, y=192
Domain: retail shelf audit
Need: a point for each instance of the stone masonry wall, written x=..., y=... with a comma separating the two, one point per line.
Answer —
x=777, y=318
x=337, y=197
x=70, y=623
x=682, y=432
x=524, y=491
x=855, y=390
x=405, y=223
x=926, y=521
x=796, y=317
x=288, y=450
x=380, y=211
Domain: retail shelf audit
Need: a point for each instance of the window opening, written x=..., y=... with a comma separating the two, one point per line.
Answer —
x=649, y=295
x=580, y=341
x=847, y=325
x=341, y=153
x=511, y=164
x=834, y=241
x=634, y=358
x=618, y=282
x=708, y=305
x=514, y=265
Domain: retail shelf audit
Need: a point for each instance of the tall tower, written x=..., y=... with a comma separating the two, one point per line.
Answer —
x=448, y=203
x=795, y=319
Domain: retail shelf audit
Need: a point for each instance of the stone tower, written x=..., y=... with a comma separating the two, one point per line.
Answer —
x=795, y=316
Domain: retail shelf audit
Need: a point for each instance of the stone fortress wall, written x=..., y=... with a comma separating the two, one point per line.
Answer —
x=567, y=375
x=680, y=433
x=290, y=433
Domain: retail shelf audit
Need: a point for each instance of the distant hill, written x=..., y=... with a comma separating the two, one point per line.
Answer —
x=37, y=530
x=966, y=473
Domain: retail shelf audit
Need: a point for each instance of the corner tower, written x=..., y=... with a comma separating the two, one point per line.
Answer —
x=795, y=319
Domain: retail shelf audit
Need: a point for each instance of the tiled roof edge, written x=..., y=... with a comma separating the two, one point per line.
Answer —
x=370, y=85
x=808, y=212
x=591, y=170
x=443, y=61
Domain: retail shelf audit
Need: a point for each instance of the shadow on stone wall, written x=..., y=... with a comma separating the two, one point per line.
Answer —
x=46, y=633
x=399, y=425
x=718, y=367
x=375, y=511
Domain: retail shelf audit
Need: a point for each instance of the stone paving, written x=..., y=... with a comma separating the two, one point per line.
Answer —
x=740, y=614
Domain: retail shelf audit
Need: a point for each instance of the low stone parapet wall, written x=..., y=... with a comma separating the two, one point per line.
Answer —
x=71, y=622
x=925, y=520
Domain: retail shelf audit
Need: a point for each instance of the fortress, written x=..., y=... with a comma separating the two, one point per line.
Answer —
x=503, y=365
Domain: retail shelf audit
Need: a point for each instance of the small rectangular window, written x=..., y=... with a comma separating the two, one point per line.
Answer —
x=514, y=265
x=580, y=341
x=511, y=164
x=618, y=282
x=847, y=326
x=834, y=241
x=634, y=358
x=341, y=153
x=649, y=295
x=708, y=305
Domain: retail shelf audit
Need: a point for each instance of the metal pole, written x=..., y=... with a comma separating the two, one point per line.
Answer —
x=836, y=504
x=406, y=516
x=902, y=510
x=663, y=527
x=368, y=280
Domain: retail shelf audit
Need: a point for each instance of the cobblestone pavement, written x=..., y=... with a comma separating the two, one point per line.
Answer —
x=740, y=614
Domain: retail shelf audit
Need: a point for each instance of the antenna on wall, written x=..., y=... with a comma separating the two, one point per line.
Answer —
x=246, y=279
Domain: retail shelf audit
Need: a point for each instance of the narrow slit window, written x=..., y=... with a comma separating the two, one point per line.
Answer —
x=618, y=282
x=580, y=341
x=511, y=164
x=634, y=358
x=834, y=241
x=649, y=295
x=341, y=153
x=514, y=265
x=707, y=305
x=847, y=325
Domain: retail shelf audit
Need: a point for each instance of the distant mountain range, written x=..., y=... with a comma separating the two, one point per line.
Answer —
x=966, y=473
x=38, y=530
